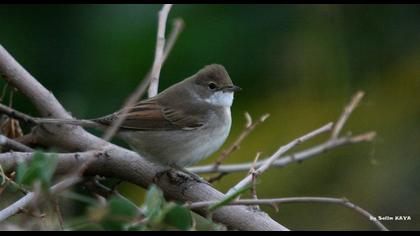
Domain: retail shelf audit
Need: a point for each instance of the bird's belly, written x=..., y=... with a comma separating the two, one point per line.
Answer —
x=180, y=147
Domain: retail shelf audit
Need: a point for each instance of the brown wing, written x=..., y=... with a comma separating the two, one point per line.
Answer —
x=149, y=115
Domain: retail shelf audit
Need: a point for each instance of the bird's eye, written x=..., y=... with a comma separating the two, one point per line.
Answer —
x=212, y=85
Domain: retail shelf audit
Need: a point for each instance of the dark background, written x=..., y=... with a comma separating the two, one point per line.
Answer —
x=300, y=63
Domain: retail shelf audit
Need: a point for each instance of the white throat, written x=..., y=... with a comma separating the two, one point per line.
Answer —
x=220, y=98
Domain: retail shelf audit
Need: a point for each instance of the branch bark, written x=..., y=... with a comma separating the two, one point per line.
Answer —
x=128, y=166
x=72, y=138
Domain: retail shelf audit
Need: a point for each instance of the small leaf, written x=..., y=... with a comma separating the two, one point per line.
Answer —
x=40, y=168
x=79, y=197
x=154, y=202
x=205, y=224
x=2, y=176
x=119, y=213
x=120, y=206
x=21, y=170
x=178, y=217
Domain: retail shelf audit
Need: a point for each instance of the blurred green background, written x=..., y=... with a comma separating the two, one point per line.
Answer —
x=300, y=63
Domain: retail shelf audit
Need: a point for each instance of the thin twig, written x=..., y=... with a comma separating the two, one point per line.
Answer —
x=39, y=121
x=177, y=27
x=217, y=177
x=95, y=186
x=269, y=161
x=341, y=201
x=6, y=180
x=160, y=45
x=366, y=137
x=13, y=145
x=254, y=175
x=17, y=115
x=28, y=198
x=346, y=114
x=286, y=160
x=11, y=97
x=9, y=160
x=157, y=65
x=3, y=93
x=249, y=127
x=58, y=212
x=31, y=213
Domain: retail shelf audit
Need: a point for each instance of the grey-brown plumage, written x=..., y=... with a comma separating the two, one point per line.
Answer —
x=180, y=126
x=178, y=107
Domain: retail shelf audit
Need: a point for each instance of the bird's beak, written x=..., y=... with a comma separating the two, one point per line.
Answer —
x=231, y=88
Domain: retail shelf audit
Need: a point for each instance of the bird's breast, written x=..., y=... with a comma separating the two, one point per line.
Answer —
x=221, y=98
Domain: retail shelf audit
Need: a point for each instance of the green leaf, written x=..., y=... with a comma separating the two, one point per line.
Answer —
x=205, y=224
x=2, y=177
x=122, y=207
x=154, y=202
x=79, y=197
x=119, y=212
x=81, y=223
x=21, y=170
x=41, y=168
x=229, y=198
x=178, y=217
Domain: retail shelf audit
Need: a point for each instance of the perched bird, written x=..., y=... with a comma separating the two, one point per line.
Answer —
x=183, y=124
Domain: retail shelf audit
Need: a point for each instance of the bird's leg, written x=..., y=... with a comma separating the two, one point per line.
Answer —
x=194, y=176
x=159, y=174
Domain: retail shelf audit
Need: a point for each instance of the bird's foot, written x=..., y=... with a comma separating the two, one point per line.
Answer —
x=175, y=172
x=194, y=176
x=159, y=175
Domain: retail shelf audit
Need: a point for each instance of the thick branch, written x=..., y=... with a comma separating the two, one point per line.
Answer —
x=128, y=166
x=69, y=137
x=19, y=78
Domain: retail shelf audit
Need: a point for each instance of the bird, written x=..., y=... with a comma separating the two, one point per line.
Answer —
x=183, y=124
